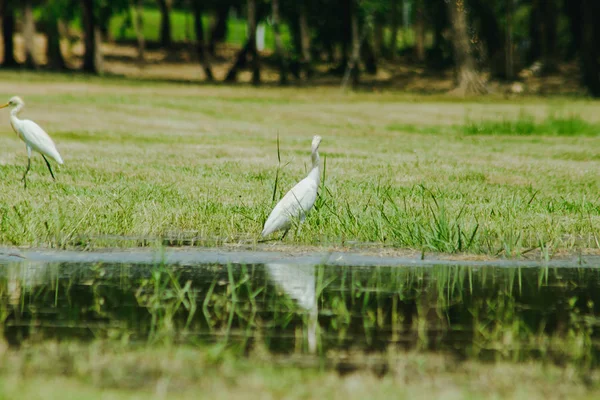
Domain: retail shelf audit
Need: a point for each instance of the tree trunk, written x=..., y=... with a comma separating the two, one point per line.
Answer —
x=549, y=30
x=573, y=9
x=352, y=71
x=240, y=62
x=535, y=31
x=218, y=32
x=201, y=45
x=492, y=35
x=394, y=22
x=439, y=21
x=251, y=4
x=138, y=25
x=29, y=35
x=98, y=57
x=8, y=27
x=590, y=50
x=249, y=48
x=508, y=42
x=355, y=58
x=165, y=23
x=469, y=81
x=369, y=57
x=420, y=31
x=378, y=44
x=56, y=60
x=93, y=54
x=346, y=18
x=103, y=21
x=281, y=58
x=306, y=60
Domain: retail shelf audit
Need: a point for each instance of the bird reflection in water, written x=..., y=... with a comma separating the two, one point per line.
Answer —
x=299, y=283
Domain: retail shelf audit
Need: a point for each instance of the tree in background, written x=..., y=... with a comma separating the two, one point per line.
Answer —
x=248, y=49
x=53, y=10
x=279, y=50
x=379, y=48
x=574, y=13
x=590, y=46
x=218, y=30
x=549, y=31
x=419, y=30
x=201, y=43
x=92, y=58
x=164, y=7
x=252, y=20
x=354, y=64
x=7, y=12
x=496, y=36
x=509, y=62
x=138, y=25
x=485, y=18
x=29, y=35
x=304, y=32
x=438, y=55
x=395, y=6
x=469, y=80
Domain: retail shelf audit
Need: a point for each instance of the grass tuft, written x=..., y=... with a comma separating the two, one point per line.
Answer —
x=526, y=125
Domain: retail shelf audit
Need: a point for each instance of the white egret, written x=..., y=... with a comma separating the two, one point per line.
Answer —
x=298, y=201
x=33, y=135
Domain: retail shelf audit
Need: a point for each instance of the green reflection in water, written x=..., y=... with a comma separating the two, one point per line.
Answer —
x=483, y=313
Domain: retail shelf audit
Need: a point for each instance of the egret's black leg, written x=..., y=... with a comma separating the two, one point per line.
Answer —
x=24, y=178
x=49, y=168
x=284, y=233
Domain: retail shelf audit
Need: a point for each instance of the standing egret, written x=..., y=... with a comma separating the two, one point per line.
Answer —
x=33, y=135
x=298, y=201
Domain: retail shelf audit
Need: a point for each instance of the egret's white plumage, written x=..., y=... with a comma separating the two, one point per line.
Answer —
x=33, y=135
x=299, y=200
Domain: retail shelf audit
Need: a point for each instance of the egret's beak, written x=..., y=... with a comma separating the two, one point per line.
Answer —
x=5, y=105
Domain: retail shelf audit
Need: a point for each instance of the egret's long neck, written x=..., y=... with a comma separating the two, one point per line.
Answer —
x=314, y=172
x=14, y=119
x=315, y=158
x=15, y=111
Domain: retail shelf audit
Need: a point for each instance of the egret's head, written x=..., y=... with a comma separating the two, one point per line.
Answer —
x=316, y=142
x=13, y=102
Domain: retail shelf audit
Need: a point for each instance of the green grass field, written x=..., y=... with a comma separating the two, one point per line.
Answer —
x=147, y=161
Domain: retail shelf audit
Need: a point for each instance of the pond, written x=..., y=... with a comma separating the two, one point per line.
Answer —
x=472, y=312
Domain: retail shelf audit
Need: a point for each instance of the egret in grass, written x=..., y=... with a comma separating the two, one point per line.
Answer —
x=33, y=135
x=298, y=201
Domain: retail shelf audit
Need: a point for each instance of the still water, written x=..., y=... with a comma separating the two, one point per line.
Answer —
x=487, y=313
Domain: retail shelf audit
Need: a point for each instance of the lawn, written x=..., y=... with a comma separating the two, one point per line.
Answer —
x=148, y=161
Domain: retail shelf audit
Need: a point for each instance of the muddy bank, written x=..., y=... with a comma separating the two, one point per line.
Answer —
x=276, y=254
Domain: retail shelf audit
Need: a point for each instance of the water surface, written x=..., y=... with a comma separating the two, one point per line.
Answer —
x=482, y=312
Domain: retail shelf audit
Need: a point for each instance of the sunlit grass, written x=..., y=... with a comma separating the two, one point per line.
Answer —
x=199, y=164
x=560, y=125
x=524, y=125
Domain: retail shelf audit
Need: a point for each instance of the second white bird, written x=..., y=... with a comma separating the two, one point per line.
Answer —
x=299, y=200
